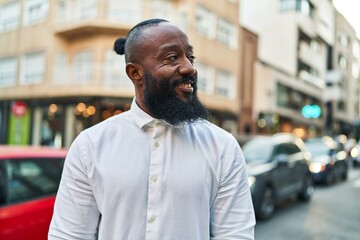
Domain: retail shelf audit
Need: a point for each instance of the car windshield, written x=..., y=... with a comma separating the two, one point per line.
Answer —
x=258, y=150
x=317, y=148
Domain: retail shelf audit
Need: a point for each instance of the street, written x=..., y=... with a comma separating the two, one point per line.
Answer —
x=332, y=214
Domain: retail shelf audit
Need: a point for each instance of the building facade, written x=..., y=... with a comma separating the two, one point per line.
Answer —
x=59, y=74
x=297, y=51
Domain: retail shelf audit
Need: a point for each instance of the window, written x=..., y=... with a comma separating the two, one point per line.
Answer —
x=32, y=68
x=226, y=33
x=225, y=85
x=7, y=72
x=303, y=6
x=9, y=16
x=114, y=71
x=124, y=11
x=35, y=11
x=355, y=70
x=82, y=67
x=205, y=78
x=61, y=69
x=343, y=64
x=343, y=39
x=205, y=22
x=85, y=9
x=356, y=49
x=32, y=178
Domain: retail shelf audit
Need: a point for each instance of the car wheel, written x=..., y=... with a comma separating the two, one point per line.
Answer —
x=307, y=189
x=267, y=204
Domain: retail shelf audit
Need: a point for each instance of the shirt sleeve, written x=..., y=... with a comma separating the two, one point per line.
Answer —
x=232, y=213
x=76, y=215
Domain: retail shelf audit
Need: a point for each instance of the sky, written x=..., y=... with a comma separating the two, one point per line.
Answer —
x=350, y=9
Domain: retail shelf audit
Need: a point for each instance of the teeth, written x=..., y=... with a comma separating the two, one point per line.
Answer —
x=188, y=85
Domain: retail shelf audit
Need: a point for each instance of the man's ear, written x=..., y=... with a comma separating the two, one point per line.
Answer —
x=134, y=72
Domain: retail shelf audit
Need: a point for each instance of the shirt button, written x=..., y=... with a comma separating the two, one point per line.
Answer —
x=154, y=179
x=157, y=144
x=152, y=219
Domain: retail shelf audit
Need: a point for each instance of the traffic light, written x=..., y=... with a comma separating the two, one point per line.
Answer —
x=311, y=111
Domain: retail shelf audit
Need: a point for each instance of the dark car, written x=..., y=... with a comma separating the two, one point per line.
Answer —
x=328, y=161
x=29, y=179
x=278, y=169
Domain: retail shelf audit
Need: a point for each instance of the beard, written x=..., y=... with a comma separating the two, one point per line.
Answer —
x=163, y=102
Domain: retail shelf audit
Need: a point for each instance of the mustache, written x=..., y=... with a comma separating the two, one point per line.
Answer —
x=185, y=80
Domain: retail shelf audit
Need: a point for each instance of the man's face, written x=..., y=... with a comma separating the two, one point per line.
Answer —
x=169, y=79
x=164, y=102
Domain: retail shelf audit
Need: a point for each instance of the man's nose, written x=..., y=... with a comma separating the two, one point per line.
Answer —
x=187, y=67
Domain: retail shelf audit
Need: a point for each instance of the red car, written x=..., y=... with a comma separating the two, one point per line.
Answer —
x=29, y=179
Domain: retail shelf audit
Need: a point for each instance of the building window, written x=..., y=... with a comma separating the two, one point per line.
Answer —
x=303, y=6
x=9, y=16
x=7, y=71
x=343, y=39
x=35, y=11
x=61, y=69
x=226, y=33
x=82, y=67
x=343, y=64
x=355, y=70
x=205, y=78
x=225, y=84
x=32, y=68
x=356, y=49
x=85, y=9
x=124, y=11
x=114, y=71
x=205, y=22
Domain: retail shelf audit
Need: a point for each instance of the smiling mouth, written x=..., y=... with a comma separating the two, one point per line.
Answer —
x=185, y=88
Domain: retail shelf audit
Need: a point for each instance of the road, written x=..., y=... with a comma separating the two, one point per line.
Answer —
x=332, y=214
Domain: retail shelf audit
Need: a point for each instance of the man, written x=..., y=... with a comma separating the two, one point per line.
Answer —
x=159, y=170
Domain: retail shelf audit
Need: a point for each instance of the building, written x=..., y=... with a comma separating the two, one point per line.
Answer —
x=344, y=91
x=296, y=54
x=59, y=74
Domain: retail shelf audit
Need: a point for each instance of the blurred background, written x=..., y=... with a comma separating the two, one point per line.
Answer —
x=265, y=67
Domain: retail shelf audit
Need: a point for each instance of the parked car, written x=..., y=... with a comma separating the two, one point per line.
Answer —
x=29, y=179
x=278, y=168
x=329, y=160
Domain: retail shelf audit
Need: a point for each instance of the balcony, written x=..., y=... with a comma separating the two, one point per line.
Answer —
x=83, y=18
x=313, y=58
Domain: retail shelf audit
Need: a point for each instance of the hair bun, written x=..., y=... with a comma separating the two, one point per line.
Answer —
x=119, y=45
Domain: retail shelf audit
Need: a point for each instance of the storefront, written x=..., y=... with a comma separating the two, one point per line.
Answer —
x=54, y=122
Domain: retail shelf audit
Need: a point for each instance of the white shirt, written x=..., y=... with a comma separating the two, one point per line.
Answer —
x=135, y=177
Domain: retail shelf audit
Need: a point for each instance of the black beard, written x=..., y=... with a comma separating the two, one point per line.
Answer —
x=163, y=103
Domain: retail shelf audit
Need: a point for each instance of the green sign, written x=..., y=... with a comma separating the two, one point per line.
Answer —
x=19, y=125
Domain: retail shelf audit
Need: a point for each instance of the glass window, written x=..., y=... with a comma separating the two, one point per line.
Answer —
x=32, y=178
x=32, y=68
x=124, y=11
x=356, y=49
x=35, y=11
x=85, y=9
x=61, y=69
x=225, y=84
x=82, y=67
x=355, y=70
x=114, y=71
x=226, y=33
x=205, y=22
x=205, y=78
x=7, y=71
x=343, y=39
x=9, y=16
x=342, y=61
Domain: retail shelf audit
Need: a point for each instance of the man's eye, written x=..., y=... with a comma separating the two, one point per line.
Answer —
x=173, y=58
x=191, y=58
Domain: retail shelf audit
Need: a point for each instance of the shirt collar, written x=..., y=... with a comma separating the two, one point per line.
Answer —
x=144, y=120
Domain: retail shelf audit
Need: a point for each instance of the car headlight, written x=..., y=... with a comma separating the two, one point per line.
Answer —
x=251, y=181
x=316, y=167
